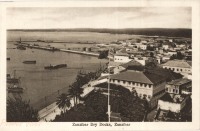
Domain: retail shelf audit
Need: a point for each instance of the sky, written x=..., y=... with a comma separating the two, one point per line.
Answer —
x=98, y=17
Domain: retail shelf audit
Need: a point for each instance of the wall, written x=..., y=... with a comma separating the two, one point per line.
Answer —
x=165, y=105
x=122, y=59
x=139, y=87
x=179, y=69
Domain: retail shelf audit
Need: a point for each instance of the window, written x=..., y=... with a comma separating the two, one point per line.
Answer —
x=177, y=69
x=145, y=85
x=118, y=81
x=124, y=82
x=181, y=69
x=129, y=83
x=173, y=90
x=176, y=91
x=149, y=96
x=166, y=89
x=141, y=84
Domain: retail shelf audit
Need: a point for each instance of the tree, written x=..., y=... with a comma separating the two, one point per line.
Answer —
x=151, y=54
x=19, y=110
x=103, y=54
x=63, y=101
x=138, y=40
x=99, y=104
x=178, y=56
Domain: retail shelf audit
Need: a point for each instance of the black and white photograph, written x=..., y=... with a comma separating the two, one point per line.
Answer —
x=109, y=66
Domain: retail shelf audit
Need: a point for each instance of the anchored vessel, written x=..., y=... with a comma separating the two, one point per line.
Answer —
x=52, y=67
x=30, y=62
x=15, y=89
x=21, y=47
x=13, y=84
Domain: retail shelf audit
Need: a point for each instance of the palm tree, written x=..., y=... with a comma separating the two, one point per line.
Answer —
x=75, y=91
x=72, y=93
x=63, y=101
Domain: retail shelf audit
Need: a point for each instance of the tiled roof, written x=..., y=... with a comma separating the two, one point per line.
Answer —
x=168, y=74
x=174, y=98
x=179, y=82
x=131, y=63
x=177, y=63
x=140, y=77
x=112, y=63
x=121, y=54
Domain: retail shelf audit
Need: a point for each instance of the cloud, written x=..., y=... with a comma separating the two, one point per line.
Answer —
x=98, y=17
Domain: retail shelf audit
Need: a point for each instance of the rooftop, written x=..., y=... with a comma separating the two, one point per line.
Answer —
x=179, y=82
x=178, y=63
x=141, y=77
x=131, y=63
x=174, y=98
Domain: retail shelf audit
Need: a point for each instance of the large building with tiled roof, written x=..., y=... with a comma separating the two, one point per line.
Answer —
x=179, y=66
x=148, y=86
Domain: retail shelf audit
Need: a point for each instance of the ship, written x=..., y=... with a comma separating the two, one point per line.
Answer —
x=21, y=47
x=30, y=62
x=15, y=89
x=13, y=84
x=12, y=79
x=52, y=67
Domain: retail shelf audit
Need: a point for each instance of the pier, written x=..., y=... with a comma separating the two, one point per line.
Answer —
x=80, y=52
x=63, y=50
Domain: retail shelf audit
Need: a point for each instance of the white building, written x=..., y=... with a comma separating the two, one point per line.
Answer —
x=171, y=53
x=143, y=47
x=147, y=85
x=171, y=102
x=177, y=92
x=122, y=58
x=179, y=66
x=166, y=47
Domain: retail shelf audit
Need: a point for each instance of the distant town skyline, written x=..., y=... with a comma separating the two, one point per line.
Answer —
x=98, y=17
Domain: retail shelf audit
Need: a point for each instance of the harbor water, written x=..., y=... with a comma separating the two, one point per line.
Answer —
x=42, y=86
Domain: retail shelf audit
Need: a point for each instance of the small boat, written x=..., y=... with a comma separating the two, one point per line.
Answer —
x=52, y=67
x=21, y=47
x=30, y=62
x=8, y=58
x=15, y=89
x=13, y=84
x=12, y=79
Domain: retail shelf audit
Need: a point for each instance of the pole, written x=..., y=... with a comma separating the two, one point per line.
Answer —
x=109, y=87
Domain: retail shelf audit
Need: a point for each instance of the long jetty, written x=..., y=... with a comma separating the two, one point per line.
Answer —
x=63, y=50
x=80, y=52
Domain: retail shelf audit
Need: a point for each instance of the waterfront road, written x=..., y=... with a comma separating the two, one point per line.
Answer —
x=49, y=113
